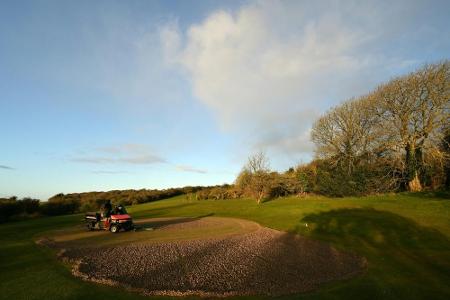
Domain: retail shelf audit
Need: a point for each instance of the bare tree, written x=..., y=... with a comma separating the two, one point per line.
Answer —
x=258, y=163
x=254, y=178
x=403, y=119
x=416, y=107
x=346, y=134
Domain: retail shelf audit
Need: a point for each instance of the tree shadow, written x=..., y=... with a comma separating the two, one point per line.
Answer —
x=291, y=264
x=227, y=266
x=405, y=258
x=429, y=195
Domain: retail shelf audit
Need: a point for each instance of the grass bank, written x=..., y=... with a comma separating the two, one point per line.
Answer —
x=406, y=239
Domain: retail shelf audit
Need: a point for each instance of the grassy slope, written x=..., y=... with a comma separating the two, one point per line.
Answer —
x=406, y=239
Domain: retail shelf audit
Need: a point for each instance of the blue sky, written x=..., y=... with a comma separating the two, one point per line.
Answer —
x=100, y=95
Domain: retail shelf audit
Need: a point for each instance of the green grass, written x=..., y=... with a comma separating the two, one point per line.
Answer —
x=79, y=237
x=406, y=239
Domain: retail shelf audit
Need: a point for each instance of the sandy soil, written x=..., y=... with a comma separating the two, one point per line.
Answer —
x=260, y=261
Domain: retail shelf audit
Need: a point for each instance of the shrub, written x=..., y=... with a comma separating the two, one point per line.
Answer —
x=307, y=176
x=55, y=208
x=8, y=208
x=28, y=205
x=12, y=207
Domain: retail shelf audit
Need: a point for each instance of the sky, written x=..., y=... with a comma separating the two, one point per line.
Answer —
x=102, y=95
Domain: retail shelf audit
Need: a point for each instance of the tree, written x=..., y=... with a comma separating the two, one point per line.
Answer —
x=416, y=107
x=253, y=180
x=346, y=134
x=257, y=163
x=445, y=149
x=395, y=132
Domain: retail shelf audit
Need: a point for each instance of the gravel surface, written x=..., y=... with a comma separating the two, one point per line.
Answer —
x=262, y=262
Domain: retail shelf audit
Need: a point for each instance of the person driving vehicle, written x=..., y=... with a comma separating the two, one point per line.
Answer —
x=120, y=210
x=107, y=208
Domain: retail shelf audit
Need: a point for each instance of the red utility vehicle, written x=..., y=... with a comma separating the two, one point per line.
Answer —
x=116, y=222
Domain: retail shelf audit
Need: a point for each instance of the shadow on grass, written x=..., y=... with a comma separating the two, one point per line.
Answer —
x=434, y=195
x=406, y=260
x=265, y=262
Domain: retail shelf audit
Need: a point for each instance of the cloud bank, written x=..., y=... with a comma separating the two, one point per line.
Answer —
x=103, y=172
x=6, y=167
x=270, y=68
x=186, y=168
x=127, y=154
x=136, y=154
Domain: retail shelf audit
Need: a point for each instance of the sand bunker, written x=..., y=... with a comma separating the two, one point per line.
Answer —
x=251, y=261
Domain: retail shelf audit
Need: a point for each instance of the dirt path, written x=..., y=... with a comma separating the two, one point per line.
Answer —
x=257, y=261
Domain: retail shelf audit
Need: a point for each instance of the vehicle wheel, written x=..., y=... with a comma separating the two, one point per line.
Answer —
x=114, y=228
x=90, y=226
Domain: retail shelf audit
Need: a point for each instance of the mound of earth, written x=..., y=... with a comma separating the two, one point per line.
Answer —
x=257, y=261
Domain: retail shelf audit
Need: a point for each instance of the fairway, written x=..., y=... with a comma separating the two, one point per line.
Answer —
x=405, y=239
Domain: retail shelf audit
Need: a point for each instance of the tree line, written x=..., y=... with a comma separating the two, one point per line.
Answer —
x=395, y=138
x=13, y=208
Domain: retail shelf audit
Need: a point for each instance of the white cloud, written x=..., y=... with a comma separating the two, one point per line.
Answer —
x=107, y=172
x=186, y=168
x=267, y=70
x=6, y=167
x=136, y=154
